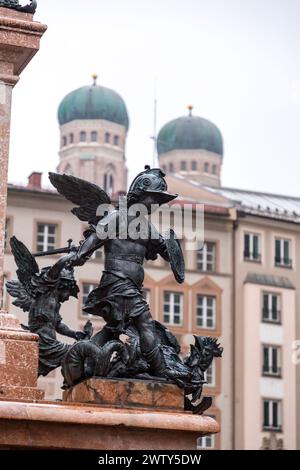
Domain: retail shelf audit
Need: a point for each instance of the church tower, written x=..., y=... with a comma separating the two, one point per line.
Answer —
x=192, y=147
x=93, y=129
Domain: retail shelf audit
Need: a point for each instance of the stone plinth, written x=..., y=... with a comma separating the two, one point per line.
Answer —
x=127, y=393
x=90, y=427
x=18, y=362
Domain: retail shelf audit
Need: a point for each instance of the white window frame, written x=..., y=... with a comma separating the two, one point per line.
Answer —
x=171, y=313
x=84, y=296
x=282, y=263
x=45, y=234
x=205, y=308
x=271, y=426
x=147, y=295
x=270, y=372
x=202, y=255
x=206, y=442
x=251, y=246
x=270, y=310
x=211, y=372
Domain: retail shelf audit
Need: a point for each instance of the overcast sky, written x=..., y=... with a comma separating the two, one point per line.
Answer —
x=236, y=61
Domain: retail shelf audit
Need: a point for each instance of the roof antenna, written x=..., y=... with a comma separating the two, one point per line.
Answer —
x=154, y=136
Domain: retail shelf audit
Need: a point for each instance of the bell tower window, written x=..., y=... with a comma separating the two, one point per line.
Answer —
x=183, y=165
x=206, y=167
x=109, y=183
x=107, y=137
x=71, y=138
x=82, y=136
x=94, y=136
x=116, y=140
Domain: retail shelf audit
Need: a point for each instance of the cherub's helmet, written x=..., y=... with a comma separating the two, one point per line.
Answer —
x=67, y=280
x=150, y=183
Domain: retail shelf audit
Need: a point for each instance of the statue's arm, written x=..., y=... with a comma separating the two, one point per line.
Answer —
x=86, y=249
x=157, y=245
x=64, y=330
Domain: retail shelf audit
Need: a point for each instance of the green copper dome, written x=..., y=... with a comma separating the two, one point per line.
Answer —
x=190, y=132
x=93, y=102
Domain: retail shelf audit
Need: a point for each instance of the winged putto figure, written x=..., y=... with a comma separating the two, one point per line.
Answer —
x=41, y=293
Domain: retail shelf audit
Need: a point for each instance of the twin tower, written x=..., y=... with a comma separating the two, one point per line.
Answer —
x=94, y=124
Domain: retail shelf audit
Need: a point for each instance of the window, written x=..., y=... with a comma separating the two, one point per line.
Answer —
x=7, y=234
x=116, y=140
x=206, y=312
x=86, y=289
x=171, y=168
x=271, y=308
x=283, y=252
x=206, y=257
x=210, y=375
x=214, y=169
x=46, y=236
x=206, y=167
x=252, y=247
x=82, y=136
x=64, y=141
x=71, y=138
x=173, y=308
x=109, y=184
x=3, y=303
x=206, y=442
x=107, y=137
x=194, y=166
x=272, y=415
x=94, y=136
x=183, y=166
x=164, y=169
x=271, y=361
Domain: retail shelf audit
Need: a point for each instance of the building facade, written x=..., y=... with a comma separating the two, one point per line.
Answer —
x=242, y=284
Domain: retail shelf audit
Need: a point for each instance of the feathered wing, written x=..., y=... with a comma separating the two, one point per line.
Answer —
x=26, y=263
x=27, y=266
x=87, y=196
x=17, y=290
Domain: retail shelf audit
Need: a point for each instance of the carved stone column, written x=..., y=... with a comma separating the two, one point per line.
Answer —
x=19, y=41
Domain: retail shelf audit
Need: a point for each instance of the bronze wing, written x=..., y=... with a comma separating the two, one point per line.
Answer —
x=87, y=196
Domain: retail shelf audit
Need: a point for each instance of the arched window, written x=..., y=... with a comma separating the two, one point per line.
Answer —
x=194, y=166
x=183, y=165
x=109, y=183
x=82, y=137
x=214, y=169
x=68, y=170
x=64, y=141
x=94, y=136
x=206, y=167
x=116, y=140
x=171, y=167
x=109, y=180
x=71, y=138
x=107, y=138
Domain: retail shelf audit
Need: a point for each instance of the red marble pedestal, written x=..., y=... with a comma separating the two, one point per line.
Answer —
x=18, y=362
